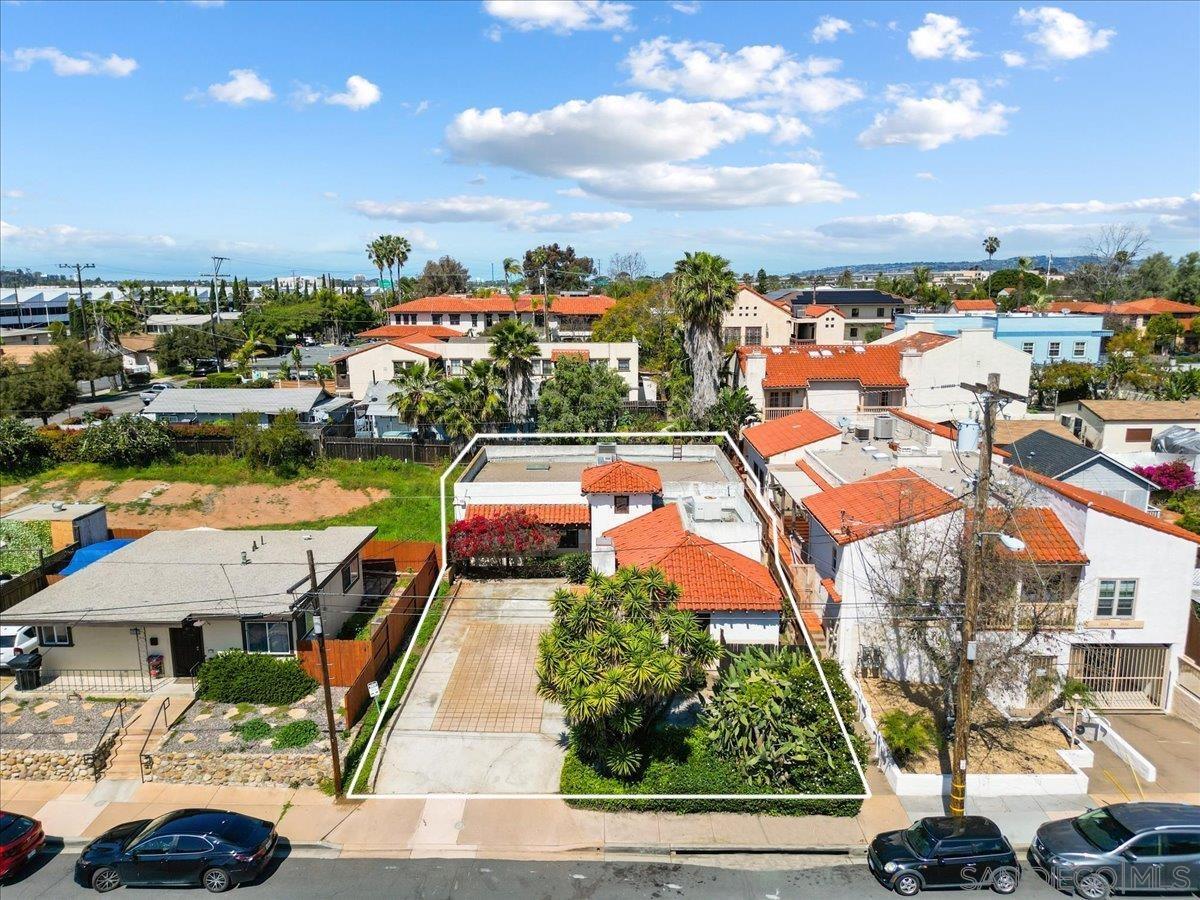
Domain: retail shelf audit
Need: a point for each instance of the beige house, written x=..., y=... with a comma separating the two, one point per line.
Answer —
x=1126, y=426
x=757, y=320
x=824, y=325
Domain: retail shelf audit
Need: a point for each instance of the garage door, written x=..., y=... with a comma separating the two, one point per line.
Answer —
x=1122, y=676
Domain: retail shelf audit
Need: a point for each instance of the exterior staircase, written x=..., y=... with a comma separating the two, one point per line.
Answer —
x=148, y=727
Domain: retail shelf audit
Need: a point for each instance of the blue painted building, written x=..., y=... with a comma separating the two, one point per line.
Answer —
x=1047, y=337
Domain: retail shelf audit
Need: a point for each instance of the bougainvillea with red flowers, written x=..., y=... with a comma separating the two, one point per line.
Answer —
x=1176, y=475
x=495, y=539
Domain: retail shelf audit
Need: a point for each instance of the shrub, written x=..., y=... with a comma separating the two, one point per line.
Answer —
x=20, y=543
x=499, y=540
x=202, y=430
x=909, y=735
x=300, y=733
x=239, y=677
x=222, y=380
x=282, y=446
x=62, y=445
x=1176, y=475
x=22, y=447
x=100, y=413
x=253, y=730
x=72, y=420
x=125, y=441
x=771, y=719
x=138, y=379
x=576, y=566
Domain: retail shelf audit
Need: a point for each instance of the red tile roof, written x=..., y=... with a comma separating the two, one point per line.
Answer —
x=1107, y=505
x=1046, y=538
x=1071, y=306
x=403, y=345
x=831, y=590
x=788, y=433
x=1152, y=306
x=923, y=341
x=924, y=424
x=878, y=503
x=621, y=477
x=411, y=332
x=816, y=311
x=816, y=477
x=974, y=305
x=589, y=305
x=559, y=354
x=875, y=365
x=712, y=578
x=547, y=513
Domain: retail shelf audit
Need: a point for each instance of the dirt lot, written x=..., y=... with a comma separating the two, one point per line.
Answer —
x=151, y=504
x=1010, y=749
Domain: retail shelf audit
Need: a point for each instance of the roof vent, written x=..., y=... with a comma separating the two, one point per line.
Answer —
x=814, y=353
x=827, y=353
x=859, y=350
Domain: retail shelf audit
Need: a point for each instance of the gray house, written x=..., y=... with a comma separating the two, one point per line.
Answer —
x=1056, y=457
x=313, y=405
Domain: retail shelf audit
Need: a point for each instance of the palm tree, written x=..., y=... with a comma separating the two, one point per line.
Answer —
x=513, y=349
x=254, y=346
x=704, y=290
x=417, y=398
x=733, y=410
x=512, y=268
x=486, y=390
x=991, y=244
x=398, y=249
x=377, y=253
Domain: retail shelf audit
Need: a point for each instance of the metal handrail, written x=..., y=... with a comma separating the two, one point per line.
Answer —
x=119, y=709
x=162, y=711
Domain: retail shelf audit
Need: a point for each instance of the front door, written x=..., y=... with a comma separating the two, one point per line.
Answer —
x=187, y=649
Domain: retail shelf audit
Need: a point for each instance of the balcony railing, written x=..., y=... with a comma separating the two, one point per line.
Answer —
x=778, y=412
x=1025, y=614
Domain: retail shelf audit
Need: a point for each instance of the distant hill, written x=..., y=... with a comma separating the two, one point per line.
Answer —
x=1061, y=264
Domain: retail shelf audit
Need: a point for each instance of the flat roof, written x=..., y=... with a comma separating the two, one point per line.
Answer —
x=855, y=461
x=47, y=512
x=536, y=468
x=167, y=576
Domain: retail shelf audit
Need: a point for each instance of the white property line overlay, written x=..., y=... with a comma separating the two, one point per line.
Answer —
x=783, y=579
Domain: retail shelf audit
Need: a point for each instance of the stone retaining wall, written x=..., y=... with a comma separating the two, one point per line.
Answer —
x=55, y=765
x=286, y=769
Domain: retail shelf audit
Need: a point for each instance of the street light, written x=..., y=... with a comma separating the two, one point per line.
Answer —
x=1015, y=544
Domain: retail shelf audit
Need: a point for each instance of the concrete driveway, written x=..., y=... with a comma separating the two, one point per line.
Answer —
x=473, y=723
x=1170, y=743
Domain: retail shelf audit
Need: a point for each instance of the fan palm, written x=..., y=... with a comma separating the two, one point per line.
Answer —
x=704, y=289
x=398, y=249
x=511, y=267
x=417, y=395
x=991, y=244
x=513, y=349
x=377, y=253
x=254, y=346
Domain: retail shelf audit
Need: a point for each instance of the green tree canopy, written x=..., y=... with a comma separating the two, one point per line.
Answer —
x=564, y=270
x=646, y=315
x=442, y=276
x=1186, y=287
x=580, y=396
x=1155, y=276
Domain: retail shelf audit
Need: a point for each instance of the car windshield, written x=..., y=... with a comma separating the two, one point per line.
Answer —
x=917, y=837
x=12, y=827
x=152, y=826
x=1101, y=829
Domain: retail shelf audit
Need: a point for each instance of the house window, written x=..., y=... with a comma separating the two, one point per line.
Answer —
x=753, y=334
x=854, y=312
x=455, y=319
x=569, y=539
x=1138, y=435
x=436, y=318
x=623, y=364
x=621, y=503
x=267, y=637
x=1055, y=350
x=732, y=335
x=55, y=636
x=1028, y=347
x=350, y=574
x=488, y=320
x=474, y=319
x=854, y=332
x=779, y=398
x=879, y=312
x=1080, y=349
x=400, y=366
x=1116, y=598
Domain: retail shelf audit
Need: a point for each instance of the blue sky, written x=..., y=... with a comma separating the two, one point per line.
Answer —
x=146, y=136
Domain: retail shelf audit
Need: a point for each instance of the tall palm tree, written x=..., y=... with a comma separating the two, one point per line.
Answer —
x=398, y=249
x=511, y=267
x=704, y=289
x=513, y=350
x=254, y=346
x=1023, y=264
x=417, y=398
x=377, y=253
x=485, y=387
x=991, y=244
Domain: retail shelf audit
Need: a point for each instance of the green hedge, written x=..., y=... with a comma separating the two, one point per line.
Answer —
x=239, y=677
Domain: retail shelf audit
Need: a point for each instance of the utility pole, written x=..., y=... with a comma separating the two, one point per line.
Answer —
x=216, y=314
x=319, y=628
x=79, y=267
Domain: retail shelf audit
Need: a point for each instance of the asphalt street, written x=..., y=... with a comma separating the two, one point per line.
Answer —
x=118, y=401
x=483, y=879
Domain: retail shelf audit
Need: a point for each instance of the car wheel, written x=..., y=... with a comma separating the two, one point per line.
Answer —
x=907, y=885
x=105, y=879
x=1004, y=881
x=215, y=881
x=1092, y=886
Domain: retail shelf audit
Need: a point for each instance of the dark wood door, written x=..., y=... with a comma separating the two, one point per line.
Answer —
x=187, y=649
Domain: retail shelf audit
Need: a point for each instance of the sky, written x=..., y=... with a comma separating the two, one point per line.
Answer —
x=145, y=137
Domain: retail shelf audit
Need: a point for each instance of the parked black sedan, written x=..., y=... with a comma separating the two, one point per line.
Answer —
x=186, y=847
x=942, y=852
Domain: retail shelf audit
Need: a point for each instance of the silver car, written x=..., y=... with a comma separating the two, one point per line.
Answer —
x=1127, y=847
x=15, y=640
x=154, y=390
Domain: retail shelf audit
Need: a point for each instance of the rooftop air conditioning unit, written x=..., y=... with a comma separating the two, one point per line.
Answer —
x=605, y=453
x=862, y=432
x=884, y=427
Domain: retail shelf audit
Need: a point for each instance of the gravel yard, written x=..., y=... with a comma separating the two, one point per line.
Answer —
x=249, y=728
x=46, y=723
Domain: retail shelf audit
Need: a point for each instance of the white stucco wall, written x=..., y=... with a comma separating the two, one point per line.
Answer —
x=605, y=516
x=934, y=377
x=377, y=364
x=837, y=397
x=752, y=311
x=107, y=647
x=744, y=627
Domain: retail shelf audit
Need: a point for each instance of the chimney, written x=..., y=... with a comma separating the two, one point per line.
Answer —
x=756, y=372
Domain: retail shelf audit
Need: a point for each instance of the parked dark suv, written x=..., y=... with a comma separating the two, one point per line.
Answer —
x=1128, y=847
x=940, y=851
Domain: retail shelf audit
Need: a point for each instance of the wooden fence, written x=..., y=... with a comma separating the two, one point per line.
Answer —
x=365, y=448
x=355, y=664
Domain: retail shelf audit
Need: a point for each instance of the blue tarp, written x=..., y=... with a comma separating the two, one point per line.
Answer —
x=85, y=556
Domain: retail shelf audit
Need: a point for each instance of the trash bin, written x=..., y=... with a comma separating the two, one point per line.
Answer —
x=26, y=669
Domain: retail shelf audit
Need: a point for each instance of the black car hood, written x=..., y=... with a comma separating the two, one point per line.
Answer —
x=114, y=840
x=1061, y=836
x=890, y=846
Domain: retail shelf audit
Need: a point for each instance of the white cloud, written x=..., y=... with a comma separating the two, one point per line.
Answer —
x=666, y=186
x=477, y=180
x=1147, y=205
x=421, y=107
x=941, y=37
x=421, y=239
x=114, y=66
x=687, y=7
x=828, y=29
x=573, y=222
x=462, y=208
x=926, y=176
x=789, y=129
x=895, y=225
x=59, y=236
x=765, y=75
x=571, y=192
x=14, y=193
x=952, y=112
x=244, y=86
x=1013, y=59
x=1063, y=35
x=359, y=94
x=560, y=16
x=607, y=132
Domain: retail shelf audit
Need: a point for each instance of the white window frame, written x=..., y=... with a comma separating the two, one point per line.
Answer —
x=269, y=626
x=1114, y=600
x=622, y=363
x=59, y=636
x=1027, y=347
x=350, y=573
x=1055, y=350
x=1080, y=350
